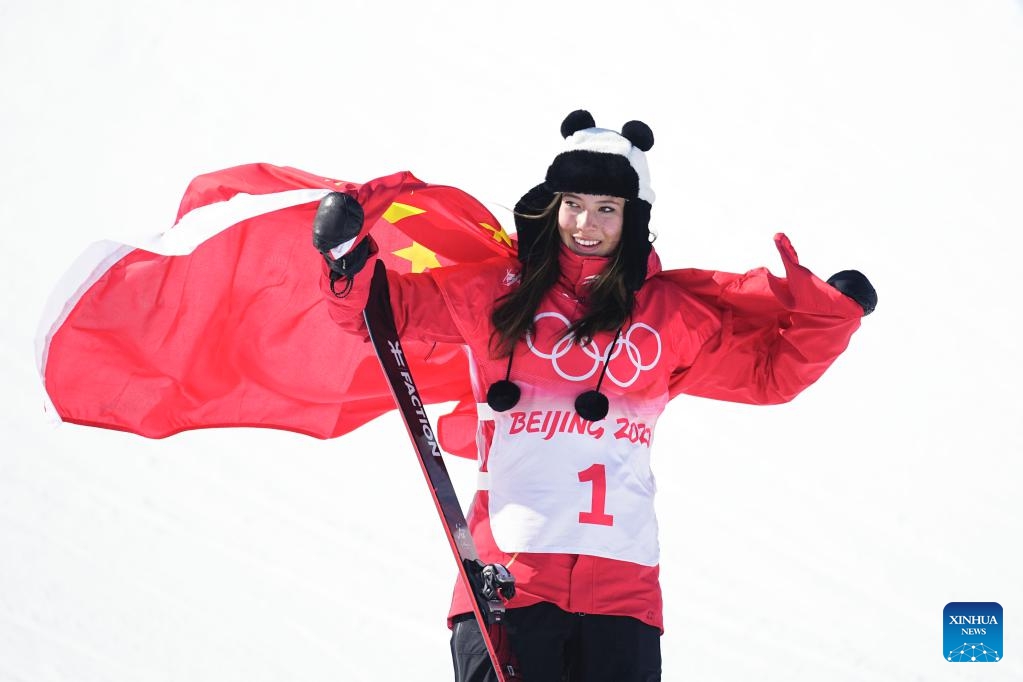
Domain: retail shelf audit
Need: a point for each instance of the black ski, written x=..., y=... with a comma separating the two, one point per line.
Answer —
x=484, y=581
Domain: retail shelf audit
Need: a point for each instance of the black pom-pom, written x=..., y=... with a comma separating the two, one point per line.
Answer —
x=503, y=395
x=639, y=134
x=592, y=406
x=580, y=119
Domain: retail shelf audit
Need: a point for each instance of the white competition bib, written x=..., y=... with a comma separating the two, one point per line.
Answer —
x=559, y=484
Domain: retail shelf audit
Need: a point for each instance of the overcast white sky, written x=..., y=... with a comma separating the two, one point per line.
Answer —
x=818, y=540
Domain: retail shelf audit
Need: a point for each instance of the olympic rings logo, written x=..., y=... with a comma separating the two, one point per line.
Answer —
x=624, y=344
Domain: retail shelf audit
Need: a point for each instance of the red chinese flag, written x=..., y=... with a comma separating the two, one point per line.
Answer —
x=220, y=321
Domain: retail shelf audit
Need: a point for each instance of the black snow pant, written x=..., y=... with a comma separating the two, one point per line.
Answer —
x=542, y=643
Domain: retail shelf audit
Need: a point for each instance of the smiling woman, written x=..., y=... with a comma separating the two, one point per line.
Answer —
x=576, y=344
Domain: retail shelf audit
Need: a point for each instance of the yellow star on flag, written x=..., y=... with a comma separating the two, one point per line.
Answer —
x=499, y=234
x=420, y=257
x=396, y=212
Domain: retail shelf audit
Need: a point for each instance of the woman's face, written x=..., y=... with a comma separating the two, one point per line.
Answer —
x=591, y=224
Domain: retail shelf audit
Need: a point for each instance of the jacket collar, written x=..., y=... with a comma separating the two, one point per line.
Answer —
x=578, y=271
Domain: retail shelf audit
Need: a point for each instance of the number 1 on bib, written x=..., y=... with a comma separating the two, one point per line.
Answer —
x=596, y=475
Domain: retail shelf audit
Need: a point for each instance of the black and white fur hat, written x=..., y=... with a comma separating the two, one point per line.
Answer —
x=597, y=161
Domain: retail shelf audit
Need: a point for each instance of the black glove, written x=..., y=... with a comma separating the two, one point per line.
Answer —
x=856, y=286
x=338, y=223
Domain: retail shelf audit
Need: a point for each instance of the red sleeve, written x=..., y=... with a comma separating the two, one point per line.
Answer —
x=420, y=312
x=347, y=311
x=778, y=335
x=431, y=340
x=436, y=313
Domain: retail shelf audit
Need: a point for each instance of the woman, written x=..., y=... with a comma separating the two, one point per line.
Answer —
x=576, y=348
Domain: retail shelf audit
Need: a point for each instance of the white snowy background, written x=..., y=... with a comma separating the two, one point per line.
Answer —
x=818, y=540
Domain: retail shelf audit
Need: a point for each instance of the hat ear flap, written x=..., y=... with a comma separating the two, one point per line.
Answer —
x=530, y=219
x=580, y=119
x=639, y=134
x=636, y=244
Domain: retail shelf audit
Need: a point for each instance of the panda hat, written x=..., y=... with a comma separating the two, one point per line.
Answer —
x=597, y=161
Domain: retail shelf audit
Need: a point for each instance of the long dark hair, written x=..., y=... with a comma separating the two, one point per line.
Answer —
x=606, y=307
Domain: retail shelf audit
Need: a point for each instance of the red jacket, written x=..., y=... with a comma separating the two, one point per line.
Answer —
x=572, y=500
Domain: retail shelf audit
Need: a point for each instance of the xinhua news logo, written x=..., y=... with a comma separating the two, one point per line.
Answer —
x=973, y=632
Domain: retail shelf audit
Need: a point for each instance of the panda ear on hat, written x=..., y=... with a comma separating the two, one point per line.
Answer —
x=639, y=134
x=580, y=119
